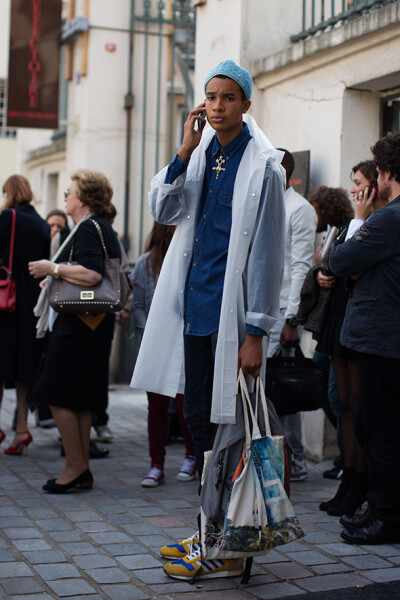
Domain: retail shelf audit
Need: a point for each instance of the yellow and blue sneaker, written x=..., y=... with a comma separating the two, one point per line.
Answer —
x=193, y=567
x=181, y=549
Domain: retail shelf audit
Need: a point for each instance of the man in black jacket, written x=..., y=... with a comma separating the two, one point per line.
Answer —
x=372, y=328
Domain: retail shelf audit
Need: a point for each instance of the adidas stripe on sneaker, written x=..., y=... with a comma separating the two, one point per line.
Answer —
x=181, y=549
x=194, y=567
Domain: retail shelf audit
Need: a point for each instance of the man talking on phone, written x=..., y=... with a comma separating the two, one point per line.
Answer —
x=217, y=296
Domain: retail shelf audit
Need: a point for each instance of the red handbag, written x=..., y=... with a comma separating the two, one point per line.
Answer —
x=8, y=288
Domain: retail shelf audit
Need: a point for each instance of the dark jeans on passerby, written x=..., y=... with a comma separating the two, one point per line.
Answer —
x=157, y=423
x=377, y=430
x=199, y=374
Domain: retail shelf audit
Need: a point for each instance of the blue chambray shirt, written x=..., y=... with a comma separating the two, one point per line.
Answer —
x=205, y=278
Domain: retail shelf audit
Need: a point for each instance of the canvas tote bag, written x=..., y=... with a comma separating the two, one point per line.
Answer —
x=259, y=514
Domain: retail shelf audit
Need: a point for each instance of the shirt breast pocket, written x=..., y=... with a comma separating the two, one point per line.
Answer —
x=223, y=212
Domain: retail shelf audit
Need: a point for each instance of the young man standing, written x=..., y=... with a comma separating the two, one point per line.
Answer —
x=371, y=328
x=218, y=291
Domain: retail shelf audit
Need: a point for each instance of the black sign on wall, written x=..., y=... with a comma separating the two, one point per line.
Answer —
x=390, y=115
x=33, y=69
x=301, y=174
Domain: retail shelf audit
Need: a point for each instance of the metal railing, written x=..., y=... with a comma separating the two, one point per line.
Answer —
x=319, y=15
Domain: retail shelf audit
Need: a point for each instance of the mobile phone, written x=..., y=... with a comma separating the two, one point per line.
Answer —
x=200, y=124
x=374, y=186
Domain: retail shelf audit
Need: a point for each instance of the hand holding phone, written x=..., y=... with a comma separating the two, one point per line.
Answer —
x=364, y=202
x=192, y=131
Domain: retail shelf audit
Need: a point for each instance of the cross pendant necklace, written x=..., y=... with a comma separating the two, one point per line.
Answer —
x=219, y=167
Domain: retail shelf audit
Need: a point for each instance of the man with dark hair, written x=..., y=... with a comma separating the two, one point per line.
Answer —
x=301, y=225
x=371, y=328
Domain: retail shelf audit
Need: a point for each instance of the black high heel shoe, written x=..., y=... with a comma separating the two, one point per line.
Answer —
x=84, y=481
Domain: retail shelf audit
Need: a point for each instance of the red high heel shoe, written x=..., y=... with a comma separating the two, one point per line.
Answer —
x=2, y=435
x=13, y=450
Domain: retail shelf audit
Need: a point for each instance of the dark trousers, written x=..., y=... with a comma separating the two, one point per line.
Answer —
x=331, y=403
x=157, y=423
x=377, y=430
x=199, y=374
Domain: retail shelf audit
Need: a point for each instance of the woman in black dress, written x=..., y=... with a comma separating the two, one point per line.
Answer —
x=353, y=488
x=79, y=345
x=19, y=348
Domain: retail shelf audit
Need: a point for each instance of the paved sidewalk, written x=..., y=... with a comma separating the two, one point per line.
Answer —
x=104, y=543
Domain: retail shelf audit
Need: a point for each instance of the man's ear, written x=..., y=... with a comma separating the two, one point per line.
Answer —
x=246, y=106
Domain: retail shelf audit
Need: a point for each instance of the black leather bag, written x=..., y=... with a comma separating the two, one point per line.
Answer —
x=293, y=383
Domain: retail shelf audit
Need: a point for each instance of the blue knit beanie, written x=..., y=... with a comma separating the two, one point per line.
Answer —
x=230, y=69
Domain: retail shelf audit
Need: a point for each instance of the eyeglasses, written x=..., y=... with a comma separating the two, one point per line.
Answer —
x=66, y=194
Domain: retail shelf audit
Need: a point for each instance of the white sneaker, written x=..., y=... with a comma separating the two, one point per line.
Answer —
x=153, y=478
x=187, y=472
x=104, y=434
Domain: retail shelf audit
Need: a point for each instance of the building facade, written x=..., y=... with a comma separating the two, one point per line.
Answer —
x=125, y=82
x=327, y=74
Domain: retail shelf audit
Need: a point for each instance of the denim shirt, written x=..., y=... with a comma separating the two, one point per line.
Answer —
x=205, y=279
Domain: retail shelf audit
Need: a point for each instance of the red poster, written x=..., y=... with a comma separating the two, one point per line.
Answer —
x=33, y=69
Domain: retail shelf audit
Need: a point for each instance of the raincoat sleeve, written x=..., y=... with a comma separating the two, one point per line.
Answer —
x=167, y=200
x=265, y=261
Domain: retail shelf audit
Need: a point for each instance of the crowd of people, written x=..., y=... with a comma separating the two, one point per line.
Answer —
x=228, y=271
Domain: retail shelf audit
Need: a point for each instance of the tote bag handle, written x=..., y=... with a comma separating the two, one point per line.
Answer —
x=247, y=406
x=260, y=393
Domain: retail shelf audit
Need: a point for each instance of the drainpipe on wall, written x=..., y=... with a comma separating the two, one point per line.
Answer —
x=128, y=106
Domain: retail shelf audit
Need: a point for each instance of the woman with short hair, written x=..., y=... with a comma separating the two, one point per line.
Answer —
x=79, y=344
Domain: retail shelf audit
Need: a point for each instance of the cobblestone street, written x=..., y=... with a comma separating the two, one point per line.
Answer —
x=105, y=543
